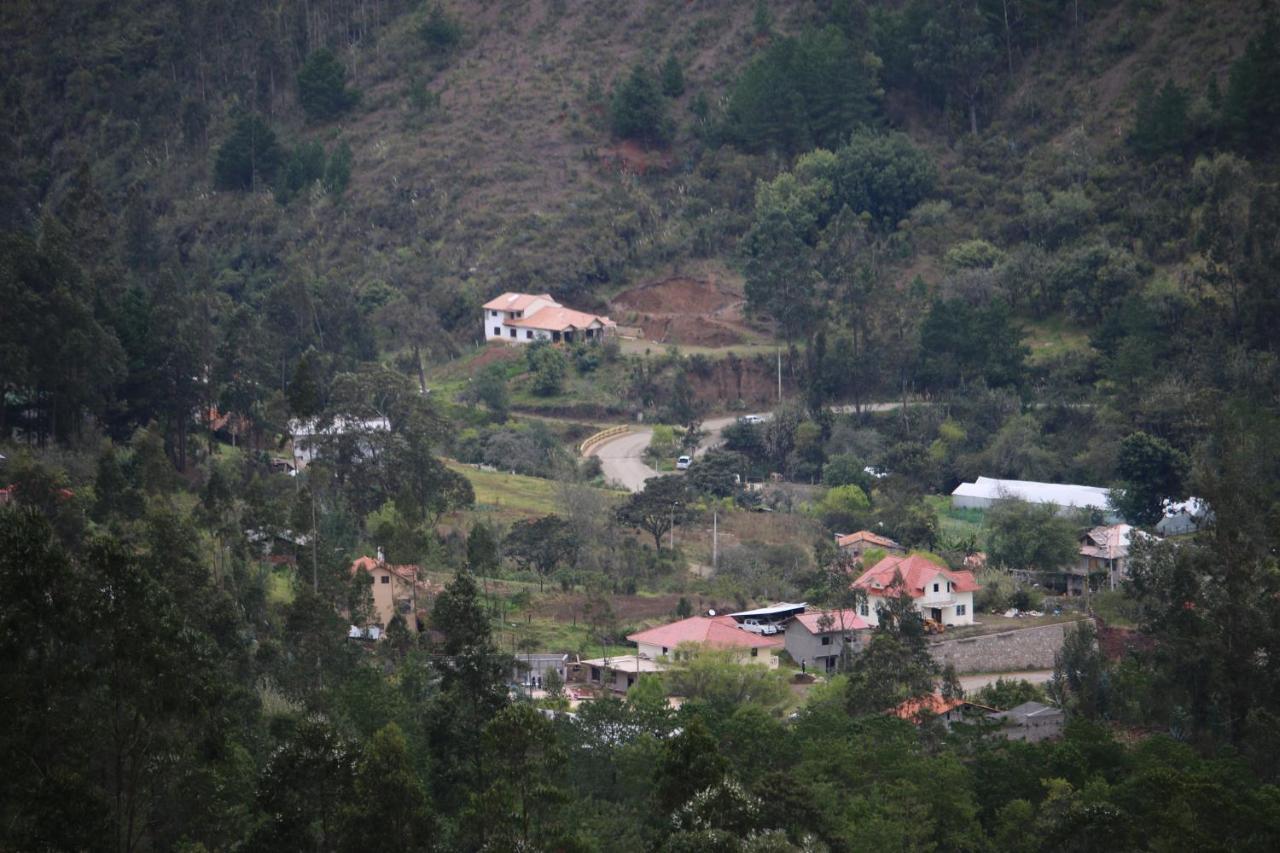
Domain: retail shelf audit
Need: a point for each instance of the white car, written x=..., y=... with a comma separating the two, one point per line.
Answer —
x=755, y=626
x=751, y=419
x=683, y=463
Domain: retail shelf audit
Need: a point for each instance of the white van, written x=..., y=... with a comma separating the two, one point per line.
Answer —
x=683, y=463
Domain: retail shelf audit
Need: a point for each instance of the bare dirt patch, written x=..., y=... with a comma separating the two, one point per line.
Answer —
x=682, y=310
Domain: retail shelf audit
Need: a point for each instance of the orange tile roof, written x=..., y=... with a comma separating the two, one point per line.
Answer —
x=866, y=536
x=515, y=301
x=915, y=708
x=893, y=574
x=371, y=564
x=558, y=319
x=852, y=621
x=720, y=631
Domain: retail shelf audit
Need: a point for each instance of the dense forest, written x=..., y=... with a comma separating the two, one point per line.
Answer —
x=1042, y=237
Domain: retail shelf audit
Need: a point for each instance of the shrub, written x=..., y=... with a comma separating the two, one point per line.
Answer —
x=322, y=87
x=637, y=110
x=440, y=30
x=248, y=158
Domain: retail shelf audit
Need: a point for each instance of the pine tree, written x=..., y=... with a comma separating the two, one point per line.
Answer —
x=672, y=77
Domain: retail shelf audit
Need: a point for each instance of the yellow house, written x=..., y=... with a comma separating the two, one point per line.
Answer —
x=396, y=589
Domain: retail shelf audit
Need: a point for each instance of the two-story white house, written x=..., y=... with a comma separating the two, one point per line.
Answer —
x=940, y=594
x=522, y=318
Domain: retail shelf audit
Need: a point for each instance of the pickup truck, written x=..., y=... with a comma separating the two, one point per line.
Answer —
x=755, y=626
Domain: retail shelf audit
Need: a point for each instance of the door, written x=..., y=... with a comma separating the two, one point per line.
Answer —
x=935, y=614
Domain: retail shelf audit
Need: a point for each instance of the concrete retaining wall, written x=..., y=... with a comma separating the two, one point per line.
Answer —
x=1015, y=649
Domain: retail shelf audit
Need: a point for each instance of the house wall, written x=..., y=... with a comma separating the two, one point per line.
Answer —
x=926, y=603
x=763, y=656
x=1007, y=651
x=1034, y=729
x=388, y=590
x=805, y=646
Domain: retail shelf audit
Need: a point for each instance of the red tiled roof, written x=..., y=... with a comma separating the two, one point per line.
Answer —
x=372, y=564
x=893, y=574
x=852, y=621
x=558, y=319
x=866, y=536
x=914, y=709
x=721, y=631
x=515, y=301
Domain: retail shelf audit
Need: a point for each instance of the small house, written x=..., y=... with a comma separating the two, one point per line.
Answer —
x=721, y=632
x=1104, y=552
x=817, y=639
x=1182, y=517
x=615, y=674
x=922, y=709
x=857, y=544
x=1030, y=721
x=396, y=589
x=522, y=318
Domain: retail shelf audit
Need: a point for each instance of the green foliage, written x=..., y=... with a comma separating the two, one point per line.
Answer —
x=664, y=501
x=637, y=110
x=1160, y=120
x=895, y=665
x=305, y=166
x=801, y=93
x=1151, y=472
x=1250, y=112
x=968, y=343
x=672, y=77
x=440, y=30
x=724, y=682
x=541, y=544
x=846, y=469
x=844, y=508
x=337, y=172
x=482, y=550
x=249, y=157
x=1027, y=536
x=1003, y=695
x=322, y=87
x=489, y=387
x=548, y=366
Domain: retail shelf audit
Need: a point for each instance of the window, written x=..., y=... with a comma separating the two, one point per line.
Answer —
x=664, y=650
x=493, y=313
x=935, y=587
x=948, y=586
x=385, y=579
x=866, y=611
x=755, y=653
x=960, y=610
x=497, y=330
x=513, y=333
x=595, y=673
x=826, y=640
x=528, y=333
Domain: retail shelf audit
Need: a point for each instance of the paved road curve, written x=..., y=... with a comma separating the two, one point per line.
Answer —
x=622, y=458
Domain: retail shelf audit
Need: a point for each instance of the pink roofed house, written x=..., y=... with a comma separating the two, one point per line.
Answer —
x=720, y=632
x=522, y=318
x=940, y=594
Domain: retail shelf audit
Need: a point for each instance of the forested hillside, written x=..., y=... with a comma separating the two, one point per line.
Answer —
x=1043, y=236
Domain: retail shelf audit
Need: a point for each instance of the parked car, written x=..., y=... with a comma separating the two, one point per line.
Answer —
x=751, y=419
x=683, y=463
x=755, y=626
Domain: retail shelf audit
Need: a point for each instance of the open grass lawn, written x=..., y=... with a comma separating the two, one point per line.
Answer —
x=280, y=588
x=1048, y=339
x=514, y=494
x=956, y=524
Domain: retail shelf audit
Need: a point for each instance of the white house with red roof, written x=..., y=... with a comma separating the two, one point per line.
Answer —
x=940, y=594
x=522, y=318
x=719, y=632
x=816, y=639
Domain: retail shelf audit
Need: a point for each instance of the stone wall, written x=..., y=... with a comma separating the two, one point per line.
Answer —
x=1015, y=649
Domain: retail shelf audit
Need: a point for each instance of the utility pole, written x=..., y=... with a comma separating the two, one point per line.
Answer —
x=715, y=538
x=315, y=559
x=779, y=374
x=672, y=544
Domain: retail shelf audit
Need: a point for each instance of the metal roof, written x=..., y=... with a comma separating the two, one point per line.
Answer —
x=782, y=609
x=1060, y=494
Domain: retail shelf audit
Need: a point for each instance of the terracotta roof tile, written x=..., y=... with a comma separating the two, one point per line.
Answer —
x=911, y=573
x=720, y=631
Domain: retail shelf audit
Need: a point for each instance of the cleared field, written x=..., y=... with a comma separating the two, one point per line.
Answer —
x=515, y=494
